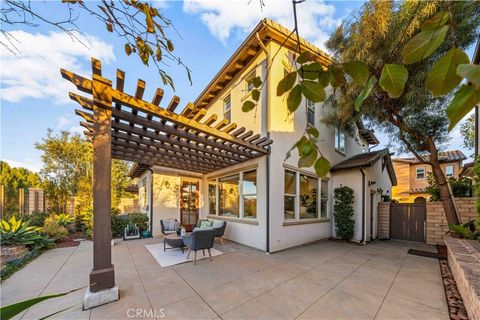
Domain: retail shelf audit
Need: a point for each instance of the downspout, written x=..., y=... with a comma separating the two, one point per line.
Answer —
x=364, y=231
x=151, y=202
x=267, y=169
x=476, y=60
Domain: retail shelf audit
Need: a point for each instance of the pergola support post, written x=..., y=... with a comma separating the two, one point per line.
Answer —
x=102, y=287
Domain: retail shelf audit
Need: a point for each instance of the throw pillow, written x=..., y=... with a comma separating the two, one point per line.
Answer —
x=206, y=224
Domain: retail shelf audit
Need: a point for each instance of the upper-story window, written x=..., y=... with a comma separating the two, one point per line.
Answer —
x=365, y=146
x=249, y=82
x=420, y=173
x=227, y=105
x=339, y=140
x=449, y=171
x=310, y=112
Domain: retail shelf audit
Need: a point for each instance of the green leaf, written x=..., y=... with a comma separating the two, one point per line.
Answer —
x=443, y=77
x=310, y=75
x=313, y=132
x=366, y=92
x=294, y=98
x=257, y=82
x=322, y=167
x=337, y=77
x=471, y=72
x=438, y=20
x=393, y=79
x=305, y=56
x=255, y=94
x=464, y=100
x=9, y=311
x=313, y=91
x=308, y=160
x=358, y=71
x=315, y=66
x=324, y=78
x=423, y=44
x=248, y=106
x=306, y=148
x=286, y=83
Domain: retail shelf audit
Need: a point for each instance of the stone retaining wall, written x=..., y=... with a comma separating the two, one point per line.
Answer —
x=12, y=253
x=464, y=262
x=437, y=225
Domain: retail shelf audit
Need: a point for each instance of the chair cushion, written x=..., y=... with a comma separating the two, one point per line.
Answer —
x=206, y=224
x=217, y=224
x=170, y=225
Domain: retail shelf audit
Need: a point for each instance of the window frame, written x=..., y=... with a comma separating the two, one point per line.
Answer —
x=340, y=136
x=249, y=80
x=310, y=111
x=327, y=209
x=424, y=173
x=228, y=98
x=297, y=196
x=241, y=213
x=446, y=173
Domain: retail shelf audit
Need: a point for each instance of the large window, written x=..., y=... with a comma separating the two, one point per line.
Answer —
x=227, y=106
x=308, y=197
x=229, y=196
x=236, y=194
x=290, y=195
x=339, y=140
x=212, y=196
x=249, y=194
x=301, y=196
x=449, y=171
x=310, y=112
x=324, y=199
x=420, y=173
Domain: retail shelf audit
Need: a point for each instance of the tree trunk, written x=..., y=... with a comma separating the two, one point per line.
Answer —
x=442, y=183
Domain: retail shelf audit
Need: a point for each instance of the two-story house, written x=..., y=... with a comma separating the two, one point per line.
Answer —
x=412, y=175
x=269, y=202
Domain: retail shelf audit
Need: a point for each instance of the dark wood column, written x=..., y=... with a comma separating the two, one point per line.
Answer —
x=102, y=276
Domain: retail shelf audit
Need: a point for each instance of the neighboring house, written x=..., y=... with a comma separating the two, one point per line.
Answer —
x=412, y=175
x=269, y=202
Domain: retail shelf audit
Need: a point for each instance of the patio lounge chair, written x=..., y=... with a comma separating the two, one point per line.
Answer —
x=200, y=240
x=169, y=226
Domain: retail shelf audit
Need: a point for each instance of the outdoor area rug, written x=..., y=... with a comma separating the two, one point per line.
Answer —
x=175, y=256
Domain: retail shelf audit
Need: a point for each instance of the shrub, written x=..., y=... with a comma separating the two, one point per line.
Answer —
x=54, y=230
x=64, y=219
x=343, y=212
x=461, y=187
x=119, y=222
x=37, y=218
x=17, y=232
x=466, y=231
x=140, y=219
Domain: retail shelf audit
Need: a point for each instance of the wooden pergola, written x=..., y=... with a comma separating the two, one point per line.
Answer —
x=129, y=128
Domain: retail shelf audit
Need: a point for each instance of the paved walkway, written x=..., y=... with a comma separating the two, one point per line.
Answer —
x=326, y=280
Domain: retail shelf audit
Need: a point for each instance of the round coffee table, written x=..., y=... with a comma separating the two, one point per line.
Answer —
x=174, y=241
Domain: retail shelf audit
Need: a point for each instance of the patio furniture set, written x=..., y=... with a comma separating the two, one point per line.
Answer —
x=200, y=237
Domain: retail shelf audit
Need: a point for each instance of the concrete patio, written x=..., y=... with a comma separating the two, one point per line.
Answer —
x=326, y=280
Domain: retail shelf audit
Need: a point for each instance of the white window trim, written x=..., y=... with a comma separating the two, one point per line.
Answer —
x=297, y=196
x=241, y=213
x=339, y=133
x=446, y=174
x=424, y=173
x=250, y=75
x=328, y=199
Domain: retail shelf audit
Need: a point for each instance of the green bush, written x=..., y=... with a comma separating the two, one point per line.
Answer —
x=119, y=222
x=140, y=219
x=343, y=212
x=17, y=232
x=466, y=231
x=461, y=187
x=37, y=218
x=54, y=230
x=64, y=219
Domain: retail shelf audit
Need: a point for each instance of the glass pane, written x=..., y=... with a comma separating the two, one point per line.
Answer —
x=250, y=182
x=308, y=197
x=250, y=206
x=324, y=199
x=289, y=207
x=290, y=184
x=228, y=192
x=212, y=197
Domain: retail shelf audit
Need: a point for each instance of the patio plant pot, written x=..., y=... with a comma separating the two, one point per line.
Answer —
x=145, y=234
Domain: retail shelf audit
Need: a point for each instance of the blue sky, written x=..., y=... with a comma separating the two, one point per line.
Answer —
x=34, y=96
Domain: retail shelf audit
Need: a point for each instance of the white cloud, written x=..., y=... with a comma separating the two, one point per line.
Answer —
x=29, y=164
x=316, y=19
x=35, y=71
x=63, y=121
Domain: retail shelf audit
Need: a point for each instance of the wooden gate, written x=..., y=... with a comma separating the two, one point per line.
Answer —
x=407, y=221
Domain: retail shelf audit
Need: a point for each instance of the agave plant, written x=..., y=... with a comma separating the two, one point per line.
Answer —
x=64, y=219
x=17, y=232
